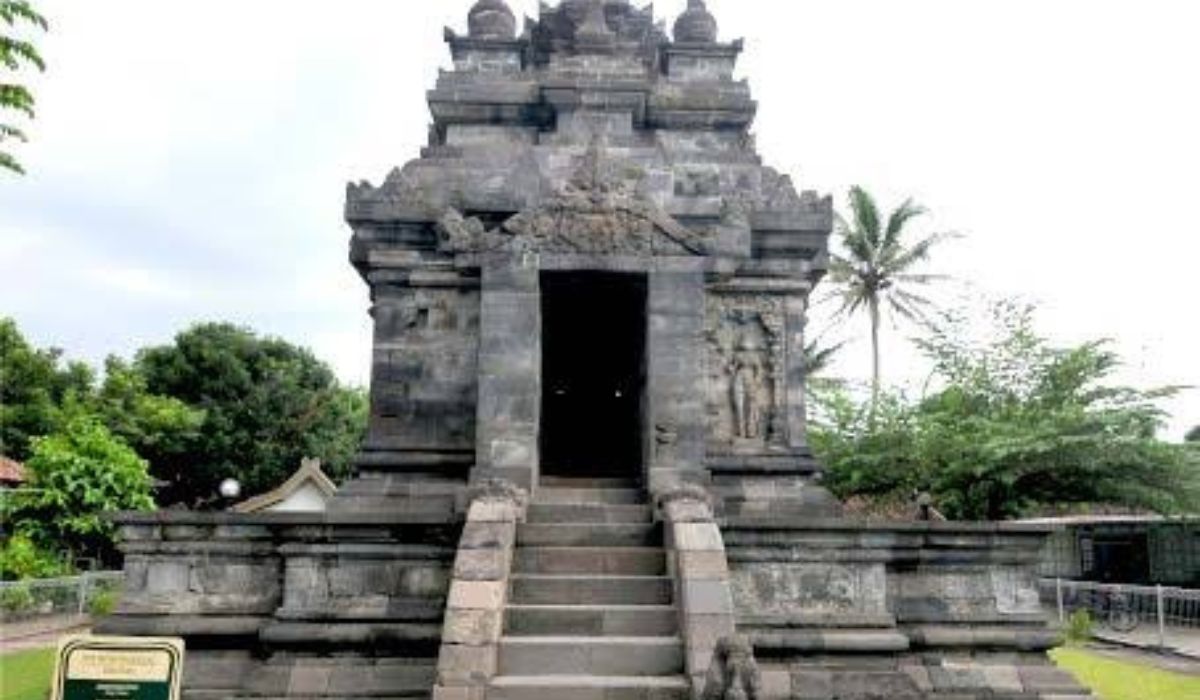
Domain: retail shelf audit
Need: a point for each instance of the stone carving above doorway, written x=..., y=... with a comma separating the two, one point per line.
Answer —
x=601, y=209
x=745, y=356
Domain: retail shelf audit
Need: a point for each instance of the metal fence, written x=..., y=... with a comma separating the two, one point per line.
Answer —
x=1121, y=608
x=92, y=593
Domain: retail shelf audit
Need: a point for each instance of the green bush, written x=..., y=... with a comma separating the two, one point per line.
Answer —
x=16, y=600
x=103, y=602
x=1079, y=626
x=21, y=558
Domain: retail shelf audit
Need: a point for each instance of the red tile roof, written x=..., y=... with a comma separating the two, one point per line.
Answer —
x=11, y=471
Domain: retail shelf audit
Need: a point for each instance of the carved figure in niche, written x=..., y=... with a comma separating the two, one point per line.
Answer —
x=749, y=373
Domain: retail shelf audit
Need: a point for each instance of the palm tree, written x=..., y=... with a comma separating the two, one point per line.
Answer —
x=818, y=356
x=876, y=272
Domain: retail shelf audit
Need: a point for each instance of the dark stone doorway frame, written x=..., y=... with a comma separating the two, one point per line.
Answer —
x=593, y=373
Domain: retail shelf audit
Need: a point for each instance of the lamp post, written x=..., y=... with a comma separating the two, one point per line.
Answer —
x=229, y=489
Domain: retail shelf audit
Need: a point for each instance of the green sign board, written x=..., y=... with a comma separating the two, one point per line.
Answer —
x=118, y=668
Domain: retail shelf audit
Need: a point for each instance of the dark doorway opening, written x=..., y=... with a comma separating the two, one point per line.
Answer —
x=593, y=372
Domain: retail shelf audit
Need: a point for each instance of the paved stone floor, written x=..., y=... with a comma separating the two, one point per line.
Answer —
x=43, y=632
x=1182, y=641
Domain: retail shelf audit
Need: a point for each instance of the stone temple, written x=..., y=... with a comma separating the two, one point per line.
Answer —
x=586, y=474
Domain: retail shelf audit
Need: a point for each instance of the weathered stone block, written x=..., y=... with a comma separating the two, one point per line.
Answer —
x=460, y=664
x=473, y=627
x=488, y=535
x=482, y=564
x=706, y=597
x=695, y=537
x=477, y=595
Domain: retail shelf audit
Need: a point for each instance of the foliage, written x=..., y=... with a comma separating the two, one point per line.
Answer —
x=33, y=385
x=1080, y=626
x=16, y=53
x=1015, y=426
x=876, y=271
x=1115, y=679
x=26, y=674
x=21, y=558
x=1193, y=435
x=162, y=430
x=103, y=602
x=818, y=356
x=77, y=475
x=266, y=405
x=18, y=599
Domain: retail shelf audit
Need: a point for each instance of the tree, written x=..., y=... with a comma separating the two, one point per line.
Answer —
x=77, y=475
x=16, y=53
x=161, y=429
x=33, y=385
x=266, y=405
x=818, y=357
x=875, y=273
x=1017, y=426
x=1193, y=435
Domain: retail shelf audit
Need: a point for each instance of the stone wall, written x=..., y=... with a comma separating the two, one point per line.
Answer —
x=842, y=609
x=278, y=605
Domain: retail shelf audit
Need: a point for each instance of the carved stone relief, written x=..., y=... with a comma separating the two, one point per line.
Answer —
x=796, y=589
x=601, y=209
x=746, y=395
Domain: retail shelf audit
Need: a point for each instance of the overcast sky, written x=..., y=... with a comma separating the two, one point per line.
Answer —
x=190, y=158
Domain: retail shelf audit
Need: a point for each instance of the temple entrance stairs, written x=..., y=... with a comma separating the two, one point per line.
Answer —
x=591, y=613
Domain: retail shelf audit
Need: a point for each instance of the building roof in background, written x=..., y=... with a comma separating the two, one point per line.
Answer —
x=1110, y=519
x=11, y=471
x=309, y=472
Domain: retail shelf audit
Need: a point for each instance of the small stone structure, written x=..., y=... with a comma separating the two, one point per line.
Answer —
x=586, y=473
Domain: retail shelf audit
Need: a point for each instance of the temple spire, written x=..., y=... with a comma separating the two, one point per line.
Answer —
x=593, y=33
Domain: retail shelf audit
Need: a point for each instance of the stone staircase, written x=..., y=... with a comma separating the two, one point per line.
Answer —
x=591, y=612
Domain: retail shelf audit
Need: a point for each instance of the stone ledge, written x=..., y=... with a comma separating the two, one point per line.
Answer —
x=373, y=634
x=757, y=522
x=842, y=641
x=181, y=625
x=213, y=519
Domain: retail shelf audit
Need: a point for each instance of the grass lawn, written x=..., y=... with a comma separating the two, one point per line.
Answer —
x=1120, y=680
x=25, y=675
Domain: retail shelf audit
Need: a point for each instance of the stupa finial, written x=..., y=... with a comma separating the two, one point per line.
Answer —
x=492, y=19
x=696, y=25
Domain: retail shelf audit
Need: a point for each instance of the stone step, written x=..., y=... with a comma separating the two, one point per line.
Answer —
x=588, y=688
x=575, y=482
x=589, y=535
x=538, y=589
x=588, y=513
x=617, y=496
x=623, y=561
x=596, y=656
x=592, y=620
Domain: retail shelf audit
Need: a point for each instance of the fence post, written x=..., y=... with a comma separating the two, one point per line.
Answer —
x=1162, y=618
x=1058, y=595
x=83, y=590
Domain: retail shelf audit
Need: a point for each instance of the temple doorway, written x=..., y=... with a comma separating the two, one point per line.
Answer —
x=593, y=373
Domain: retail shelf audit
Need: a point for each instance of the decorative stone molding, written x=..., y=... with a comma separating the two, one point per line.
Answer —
x=733, y=674
x=474, y=619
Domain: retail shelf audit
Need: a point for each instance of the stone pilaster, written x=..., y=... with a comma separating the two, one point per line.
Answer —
x=510, y=370
x=675, y=374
